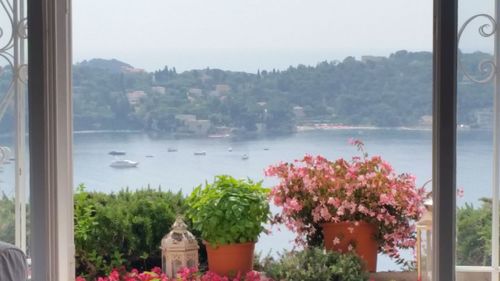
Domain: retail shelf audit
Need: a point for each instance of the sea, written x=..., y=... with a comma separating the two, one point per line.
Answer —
x=408, y=150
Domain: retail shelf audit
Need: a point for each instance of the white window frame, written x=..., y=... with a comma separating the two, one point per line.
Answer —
x=50, y=136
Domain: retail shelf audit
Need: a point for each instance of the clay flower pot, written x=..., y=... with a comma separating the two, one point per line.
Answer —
x=353, y=236
x=230, y=259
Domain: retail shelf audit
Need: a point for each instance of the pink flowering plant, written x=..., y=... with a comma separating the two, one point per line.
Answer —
x=185, y=274
x=315, y=190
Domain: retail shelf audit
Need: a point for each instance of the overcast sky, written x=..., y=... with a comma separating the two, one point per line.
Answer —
x=253, y=34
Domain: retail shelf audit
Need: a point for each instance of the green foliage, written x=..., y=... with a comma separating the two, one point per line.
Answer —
x=122, y=229
x=7, y=221
x=314, y=264
x=229, y=210
x=474, y=234
x=390, y=91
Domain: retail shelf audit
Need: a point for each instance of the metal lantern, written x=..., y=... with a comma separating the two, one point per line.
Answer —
x=179, y=249
x=424, y=244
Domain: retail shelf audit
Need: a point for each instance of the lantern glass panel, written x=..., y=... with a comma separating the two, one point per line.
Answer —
x=177, y=265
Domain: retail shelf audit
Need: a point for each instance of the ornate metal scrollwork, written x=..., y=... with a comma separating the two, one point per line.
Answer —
x=12, y=48
x=487, y=67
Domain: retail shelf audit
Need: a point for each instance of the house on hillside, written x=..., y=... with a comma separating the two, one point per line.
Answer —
x=299, y=113
x=188, y=123
x=194, y=94
x=159, y=90
x=484, y=118
x=426, y=121
x=126, y=69
x=222, y=88
x=134, y=98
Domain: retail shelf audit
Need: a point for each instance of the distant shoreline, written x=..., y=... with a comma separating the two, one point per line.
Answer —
x=330, y=127
x=300, y=129
x=82, y=132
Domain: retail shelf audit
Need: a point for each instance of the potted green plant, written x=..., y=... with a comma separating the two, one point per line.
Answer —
x=230, y=214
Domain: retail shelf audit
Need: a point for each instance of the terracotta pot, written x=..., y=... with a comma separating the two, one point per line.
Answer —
x=361, y=237
x=231, y=259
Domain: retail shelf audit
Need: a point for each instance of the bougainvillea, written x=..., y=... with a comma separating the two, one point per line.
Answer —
x=185, y=274
x=314, y=190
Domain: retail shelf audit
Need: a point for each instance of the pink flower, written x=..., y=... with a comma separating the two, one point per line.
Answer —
x=336, y=241
x=314, y=190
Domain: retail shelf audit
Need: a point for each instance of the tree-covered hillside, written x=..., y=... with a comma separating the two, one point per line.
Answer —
x=377, y=91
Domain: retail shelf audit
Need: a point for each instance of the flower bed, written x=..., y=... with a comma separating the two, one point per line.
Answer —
x=186, y=274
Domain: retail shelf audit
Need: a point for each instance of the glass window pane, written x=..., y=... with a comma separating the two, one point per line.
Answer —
x=13, y=125
x=475, y=134
x=195, y=90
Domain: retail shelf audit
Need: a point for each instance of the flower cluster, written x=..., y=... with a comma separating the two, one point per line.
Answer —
x=314, y=190
x=121, y=275
x=185, y=274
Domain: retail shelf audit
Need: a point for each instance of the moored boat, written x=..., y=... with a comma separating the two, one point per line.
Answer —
x=124, y=164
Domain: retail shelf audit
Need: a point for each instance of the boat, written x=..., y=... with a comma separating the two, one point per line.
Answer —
x=266, y=148
x=149, y=156
x=171, y=149
x=219, y=136
x=244, y=157
x=230, y=149
x=200, y=153
x=463, y=127
x=117, y=152
x=124, y=164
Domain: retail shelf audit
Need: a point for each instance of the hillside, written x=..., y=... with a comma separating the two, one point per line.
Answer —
x=377, y=91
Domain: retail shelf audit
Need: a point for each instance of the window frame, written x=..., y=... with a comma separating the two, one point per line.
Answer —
x=50, y=135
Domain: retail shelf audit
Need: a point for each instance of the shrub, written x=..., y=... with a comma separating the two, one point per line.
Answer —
x=7, y=223
x=125, y=228
x=474, y=234
x=314, y=264
x=229, y=210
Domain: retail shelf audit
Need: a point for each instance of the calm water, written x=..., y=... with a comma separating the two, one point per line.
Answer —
x=407, y=150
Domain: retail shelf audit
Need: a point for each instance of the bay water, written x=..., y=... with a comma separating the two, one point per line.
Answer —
x=409, y=151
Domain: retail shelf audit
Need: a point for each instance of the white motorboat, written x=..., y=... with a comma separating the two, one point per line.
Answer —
x=171, y=149
x=124, y=164
x=200, y=153
x=244, y=157
x=230, y=149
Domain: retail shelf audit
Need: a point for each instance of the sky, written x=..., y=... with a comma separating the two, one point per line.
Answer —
x=246, y=35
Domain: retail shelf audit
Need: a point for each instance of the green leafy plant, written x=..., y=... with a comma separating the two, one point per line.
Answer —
x=122, y=229
x=474, y=234
x=7, y=208
x=314, y=264
x=229, y=210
